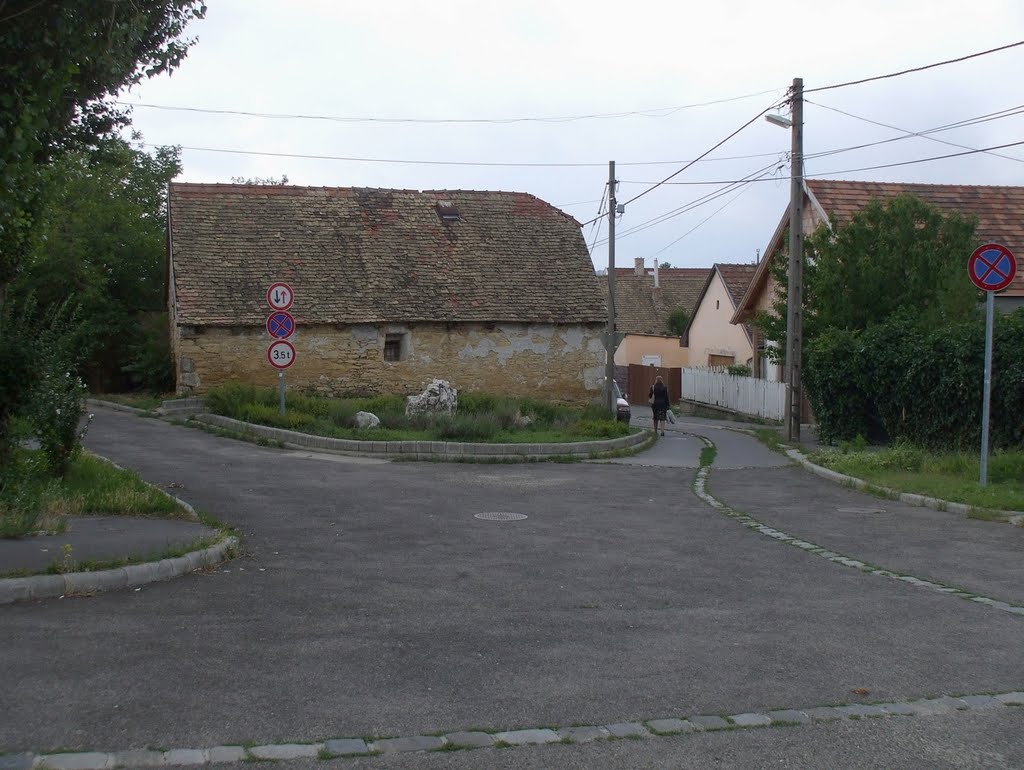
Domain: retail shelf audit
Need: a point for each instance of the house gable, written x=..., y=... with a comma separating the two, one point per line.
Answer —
x=998, y=209
x=710, y=335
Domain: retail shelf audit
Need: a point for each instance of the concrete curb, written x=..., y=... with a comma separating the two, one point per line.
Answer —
x=78, y=583
x=95, y=402
x=424, y=450
x=962, y=509
x=645, y=730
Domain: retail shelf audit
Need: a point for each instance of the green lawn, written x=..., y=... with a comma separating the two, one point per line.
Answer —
x=481, y=418
x=950, y=476
x=32, y=500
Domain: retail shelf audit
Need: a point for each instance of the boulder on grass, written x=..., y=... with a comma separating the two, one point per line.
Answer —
x=439, y=397
x=366, y=420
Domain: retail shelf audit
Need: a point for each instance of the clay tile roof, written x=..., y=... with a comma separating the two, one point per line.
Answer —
x=642, y=309
x=357, y=255
x=736, y=278
x=999, y=210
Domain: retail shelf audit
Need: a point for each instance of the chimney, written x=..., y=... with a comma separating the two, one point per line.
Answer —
x=638, y=267
x=657, y=283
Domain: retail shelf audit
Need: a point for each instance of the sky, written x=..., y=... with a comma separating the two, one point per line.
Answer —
x=472, y=88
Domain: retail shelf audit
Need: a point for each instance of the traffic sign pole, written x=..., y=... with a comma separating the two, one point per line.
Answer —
x=987, y=398
x=280, y=325
x=991, y=268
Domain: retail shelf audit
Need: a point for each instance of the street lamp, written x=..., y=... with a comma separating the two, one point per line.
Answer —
x=794, y=303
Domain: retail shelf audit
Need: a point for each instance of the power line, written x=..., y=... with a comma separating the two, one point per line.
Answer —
x=699, y=157
x=409, y=161
x=707, y=198
x=658, y=112
x=920, y=160
x=1007, y=113
x=717, y=211
x=914, y=69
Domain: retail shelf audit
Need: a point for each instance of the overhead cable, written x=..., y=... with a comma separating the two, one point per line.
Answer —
x=914, y=69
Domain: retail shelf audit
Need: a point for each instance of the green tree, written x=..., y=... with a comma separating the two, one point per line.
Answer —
x=901, y=255
x=101, y=250
x=677, y=321
x=59, y=64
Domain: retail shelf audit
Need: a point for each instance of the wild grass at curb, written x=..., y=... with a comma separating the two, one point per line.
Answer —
x=33, y=500
x=947, y=476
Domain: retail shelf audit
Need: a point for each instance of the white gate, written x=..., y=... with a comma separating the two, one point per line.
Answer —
x=746, y=395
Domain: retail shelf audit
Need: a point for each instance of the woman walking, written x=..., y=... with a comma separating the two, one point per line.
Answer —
x=658, y=398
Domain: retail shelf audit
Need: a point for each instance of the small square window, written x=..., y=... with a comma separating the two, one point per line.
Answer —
x=393, y=347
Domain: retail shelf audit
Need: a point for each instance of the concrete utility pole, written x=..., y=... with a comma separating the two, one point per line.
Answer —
x=609, y=337
x=794, y=307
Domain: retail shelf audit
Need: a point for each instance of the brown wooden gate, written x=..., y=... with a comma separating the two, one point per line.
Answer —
x=641, y=378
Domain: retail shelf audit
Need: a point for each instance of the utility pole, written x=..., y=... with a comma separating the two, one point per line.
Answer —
x=794, y=307
x=609, y=337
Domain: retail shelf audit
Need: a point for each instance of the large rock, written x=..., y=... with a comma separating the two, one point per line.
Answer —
x=366, y=420
x=438, y=398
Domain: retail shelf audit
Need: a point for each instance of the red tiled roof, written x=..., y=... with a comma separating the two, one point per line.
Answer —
x=356, y=255
x=998, y=209
x=736, y=278
x=642, y=309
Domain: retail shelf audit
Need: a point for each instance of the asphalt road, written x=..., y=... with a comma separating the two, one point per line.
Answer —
x=370, y=600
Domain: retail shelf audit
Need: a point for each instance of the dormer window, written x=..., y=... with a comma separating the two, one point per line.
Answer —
x=447, y=212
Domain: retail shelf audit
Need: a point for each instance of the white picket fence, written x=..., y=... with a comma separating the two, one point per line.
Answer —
x=746, y=395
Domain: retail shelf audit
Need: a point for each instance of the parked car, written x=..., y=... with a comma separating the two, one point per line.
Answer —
x=622, y=410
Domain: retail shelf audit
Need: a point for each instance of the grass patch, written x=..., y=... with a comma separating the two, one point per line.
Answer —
x=482, y=418
x=947, y=476
x=31, y=500
x=707, y=455
x=772, y=439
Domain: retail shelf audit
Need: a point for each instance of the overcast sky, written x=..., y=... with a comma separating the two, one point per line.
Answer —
x=489, y=61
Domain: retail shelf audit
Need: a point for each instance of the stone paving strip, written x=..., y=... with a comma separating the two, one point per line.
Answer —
x=701, y=490
x=477, y=739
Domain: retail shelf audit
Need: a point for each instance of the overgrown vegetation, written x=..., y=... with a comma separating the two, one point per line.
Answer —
x=897, y=381
x=79, y=225
x=34, y=499
x=481, y=417
x=946, y=476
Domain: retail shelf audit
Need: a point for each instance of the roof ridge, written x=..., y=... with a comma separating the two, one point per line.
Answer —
x=813, y=181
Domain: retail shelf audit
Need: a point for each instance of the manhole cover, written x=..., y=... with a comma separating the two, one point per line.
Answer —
x=500, y=516
x=855, y=509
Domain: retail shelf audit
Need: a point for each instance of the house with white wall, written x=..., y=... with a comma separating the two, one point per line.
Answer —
x=710, y=337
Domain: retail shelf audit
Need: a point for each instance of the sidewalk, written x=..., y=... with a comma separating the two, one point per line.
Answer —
x=101, y=539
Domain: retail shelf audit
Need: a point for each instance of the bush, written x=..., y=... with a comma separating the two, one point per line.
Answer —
x=739, y=370
x=897, y=381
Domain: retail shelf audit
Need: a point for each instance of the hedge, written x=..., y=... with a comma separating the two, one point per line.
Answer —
x=897, y=381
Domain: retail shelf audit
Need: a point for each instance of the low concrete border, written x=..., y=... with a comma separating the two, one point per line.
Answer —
x=962, y=509
x=94, y=402
x=449, y=450
x=646, y=730
x=79, y=583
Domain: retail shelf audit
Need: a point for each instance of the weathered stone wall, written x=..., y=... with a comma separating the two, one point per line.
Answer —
x=548, y=361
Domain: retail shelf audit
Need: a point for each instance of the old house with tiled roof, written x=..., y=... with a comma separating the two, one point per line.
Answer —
x=998, y=209
x=710, y=336
x=493, y=291
x=645, y=298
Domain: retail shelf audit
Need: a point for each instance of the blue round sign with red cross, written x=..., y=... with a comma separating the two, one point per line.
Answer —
x=992, y=267
x=280, y=325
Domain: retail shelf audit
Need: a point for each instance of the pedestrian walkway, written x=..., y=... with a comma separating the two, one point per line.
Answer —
x=681, y=446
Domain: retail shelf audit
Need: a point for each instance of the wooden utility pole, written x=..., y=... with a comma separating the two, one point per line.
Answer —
x=794, y=307
x=609, y=337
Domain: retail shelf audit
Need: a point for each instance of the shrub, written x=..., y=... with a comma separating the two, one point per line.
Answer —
x=899, y=381
x=739, y=370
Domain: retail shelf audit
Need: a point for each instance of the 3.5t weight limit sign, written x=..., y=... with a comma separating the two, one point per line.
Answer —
x=281, y=354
